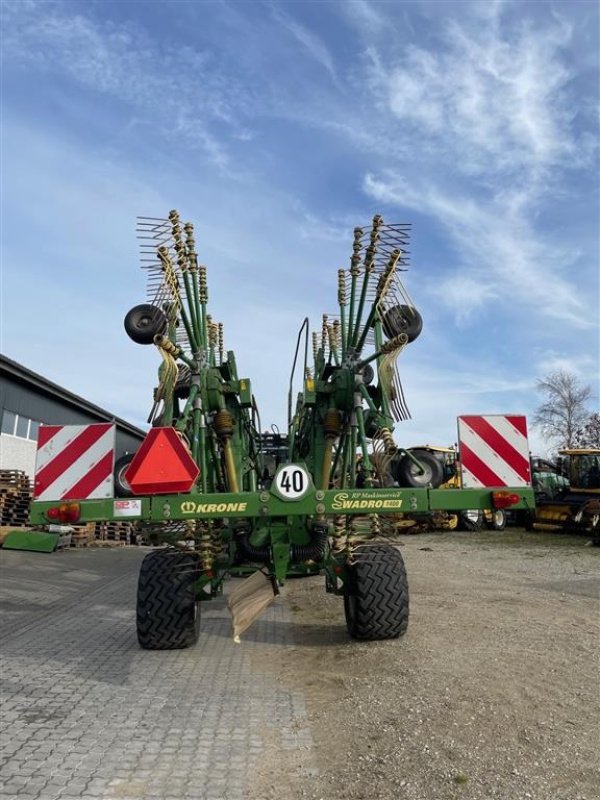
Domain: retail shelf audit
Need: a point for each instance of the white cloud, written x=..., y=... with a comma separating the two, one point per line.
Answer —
x=309, y=40
x=502, y=256
x=494, y=98
x=364, y=15
x=179, y=90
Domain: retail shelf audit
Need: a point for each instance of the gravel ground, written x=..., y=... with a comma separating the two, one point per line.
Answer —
x=492, y=693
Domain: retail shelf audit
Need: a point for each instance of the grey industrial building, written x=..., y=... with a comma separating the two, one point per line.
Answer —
x=28, y=399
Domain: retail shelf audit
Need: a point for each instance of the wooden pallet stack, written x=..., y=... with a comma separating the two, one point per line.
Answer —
x=83, y=535
x=15, y=497
x=117, y=532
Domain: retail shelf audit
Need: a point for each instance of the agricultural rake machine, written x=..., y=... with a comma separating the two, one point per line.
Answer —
x=330, y=495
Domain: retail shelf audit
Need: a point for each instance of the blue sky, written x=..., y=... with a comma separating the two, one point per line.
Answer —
x=278, y=127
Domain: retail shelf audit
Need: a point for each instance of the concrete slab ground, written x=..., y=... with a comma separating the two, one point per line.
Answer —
x=87, y=714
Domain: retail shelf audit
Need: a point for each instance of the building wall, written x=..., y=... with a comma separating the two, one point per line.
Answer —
x=24, y=404
x=16, y=453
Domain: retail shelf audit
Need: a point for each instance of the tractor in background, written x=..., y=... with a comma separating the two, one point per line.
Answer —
x=575, y=507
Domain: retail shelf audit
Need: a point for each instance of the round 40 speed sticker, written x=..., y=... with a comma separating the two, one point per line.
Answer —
x=292, y=481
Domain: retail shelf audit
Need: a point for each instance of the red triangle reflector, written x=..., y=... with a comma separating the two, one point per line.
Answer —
x=162, y=465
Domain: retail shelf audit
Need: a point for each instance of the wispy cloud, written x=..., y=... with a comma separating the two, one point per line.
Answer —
x=491, y=122
x=501, y=256
x=181, y=90
x=310, y=41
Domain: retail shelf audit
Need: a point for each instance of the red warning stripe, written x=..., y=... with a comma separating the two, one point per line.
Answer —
x=46, y=432
x=471, y=462
x=520, y=423
x=99, y=472
x=67, y=457
x=505, y=450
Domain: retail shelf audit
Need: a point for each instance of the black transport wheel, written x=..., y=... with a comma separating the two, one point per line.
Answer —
x=144, y=322
x=376, y=605
x=122, y=487
x=402, y=319
x=168, y=614
x=407, y=473
x=471, y=520
x=496, y=520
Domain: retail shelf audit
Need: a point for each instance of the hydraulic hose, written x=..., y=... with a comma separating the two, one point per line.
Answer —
x=261, y=553
x=315, y=550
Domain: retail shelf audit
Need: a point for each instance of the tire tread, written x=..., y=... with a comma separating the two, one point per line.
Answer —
x=379, y=605
x=167, y=613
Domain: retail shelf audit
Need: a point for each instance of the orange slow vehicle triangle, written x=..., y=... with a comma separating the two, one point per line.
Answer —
x=162, y=465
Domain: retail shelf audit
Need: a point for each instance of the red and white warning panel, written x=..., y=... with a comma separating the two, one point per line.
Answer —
x=494, y=450
x=75, y=462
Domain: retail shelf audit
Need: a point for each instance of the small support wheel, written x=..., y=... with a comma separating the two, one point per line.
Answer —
x=496, y=520
x=122, y=487
x=376, y=605
x=471, y=520
x=168, y=613
x=402, y=319
x=144, y=322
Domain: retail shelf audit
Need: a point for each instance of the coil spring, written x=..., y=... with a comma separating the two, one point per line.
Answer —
x=209, y=545
x=190, y=246
x=336, y=333
x=203, y=285
x=177, y=238
x=342, y=287
x=388, y=441
x=389, y=270
x=339, y=534
x=332, y=424
x=395, y=343
x=224, y=424
x=167, y=345
x=324, y=334
x=221, y=341
x=356, y=248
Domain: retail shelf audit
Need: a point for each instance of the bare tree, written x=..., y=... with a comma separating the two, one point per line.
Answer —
x=564, y=410
x=589, y=434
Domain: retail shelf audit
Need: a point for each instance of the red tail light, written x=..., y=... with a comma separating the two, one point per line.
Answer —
x=505, y=499
x=65, y=512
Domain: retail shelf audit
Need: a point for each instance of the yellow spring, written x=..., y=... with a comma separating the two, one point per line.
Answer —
x=170, y=276
x=224, y=424
x=221, y=341
x=167, y=345
x=388, y=440
x=342, y=287
x=324, y=336
x=394, y=344
x=190, y=246
x=339, y=534
x=178, y=239
x=203, y=285
x=356, y=248
x=336, y=333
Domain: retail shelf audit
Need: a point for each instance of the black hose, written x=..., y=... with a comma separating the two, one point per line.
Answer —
x=315, y=550
x=250, y=551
